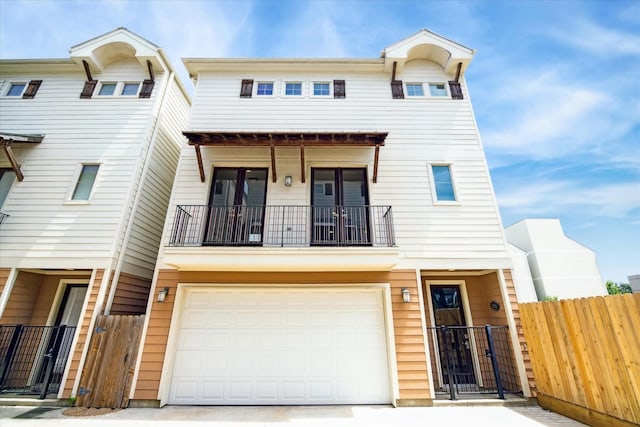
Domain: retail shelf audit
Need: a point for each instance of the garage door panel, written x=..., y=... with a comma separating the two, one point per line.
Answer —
x=277, y=346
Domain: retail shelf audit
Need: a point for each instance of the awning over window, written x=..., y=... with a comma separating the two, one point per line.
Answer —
x=287, y=139
x=6, y=139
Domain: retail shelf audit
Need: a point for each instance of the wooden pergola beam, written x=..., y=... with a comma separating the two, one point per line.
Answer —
x=286, y=139
x=13, y=161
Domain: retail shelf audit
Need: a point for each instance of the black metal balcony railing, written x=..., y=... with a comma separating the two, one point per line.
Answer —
x=282, y=226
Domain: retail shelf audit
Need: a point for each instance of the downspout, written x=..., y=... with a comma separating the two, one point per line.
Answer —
x=127, y=235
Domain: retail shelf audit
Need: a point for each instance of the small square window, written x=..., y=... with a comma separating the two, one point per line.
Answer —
x=107, y=89
x=414, y=89
x=16, y=89
x=321, y=89
x=443, y=183
x=130, y=89
x=293, y=89
x=85, y=182
x=437, y=89
x=265, y=89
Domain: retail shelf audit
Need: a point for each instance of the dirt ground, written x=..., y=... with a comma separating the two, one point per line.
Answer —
x=87, y=412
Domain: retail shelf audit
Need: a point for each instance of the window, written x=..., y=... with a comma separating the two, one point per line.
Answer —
x=293, y=89
x=414, y=89
x=437, y=89
x=7, y=176
x=321, y=89
x=130, y=89
x=16, y=89
x=85, y=182
x=265, y=88
x=442, y=183
x=107, y=89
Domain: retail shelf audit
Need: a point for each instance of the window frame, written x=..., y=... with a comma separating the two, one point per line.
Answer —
x=434, y=187
x=107, y=83
x=16, y=84
x=76, y=180
x=129, y=83
x=444, y=87
x=409, y=85
x=329, y=93
x=265, y=82
x=285, y=88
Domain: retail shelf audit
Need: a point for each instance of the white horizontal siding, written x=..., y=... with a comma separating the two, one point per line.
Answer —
x=44, y=229
x=421, y=130
x=141, y=251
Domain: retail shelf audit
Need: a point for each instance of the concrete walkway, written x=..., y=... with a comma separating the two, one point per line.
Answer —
x=292, y=416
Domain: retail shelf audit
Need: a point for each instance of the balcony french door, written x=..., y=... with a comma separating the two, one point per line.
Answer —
x=236, y=207
x=339, y=207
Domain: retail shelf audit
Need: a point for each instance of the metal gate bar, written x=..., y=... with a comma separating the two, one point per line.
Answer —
x=33, y=358
x=473, y=360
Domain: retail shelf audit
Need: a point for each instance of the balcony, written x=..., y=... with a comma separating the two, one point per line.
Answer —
x=281, y=238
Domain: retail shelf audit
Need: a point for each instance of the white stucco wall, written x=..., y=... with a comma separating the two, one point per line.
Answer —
x=559, y=266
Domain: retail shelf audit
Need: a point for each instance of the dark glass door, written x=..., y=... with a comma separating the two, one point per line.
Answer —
x=340, y=214
x=455, y=343
x=236, y=207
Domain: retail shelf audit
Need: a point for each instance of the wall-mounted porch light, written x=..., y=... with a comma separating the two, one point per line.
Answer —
x=406, y=295
x=288, y=180
x=163, y=294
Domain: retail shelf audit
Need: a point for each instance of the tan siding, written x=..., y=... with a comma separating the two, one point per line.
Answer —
x=131, y=295
x=521, y=338
x=4, y=276
x=85, y=320
x=22, y=300
x=412, y=369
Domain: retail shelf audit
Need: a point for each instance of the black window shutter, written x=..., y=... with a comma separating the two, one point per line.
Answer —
x=32, y=89
x=89, y=86
x=396, y=89
x=246, y=89
x=456, y=90
x=339, y=89
x=147, y=88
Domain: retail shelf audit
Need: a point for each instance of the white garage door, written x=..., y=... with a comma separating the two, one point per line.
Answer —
x=276, y=346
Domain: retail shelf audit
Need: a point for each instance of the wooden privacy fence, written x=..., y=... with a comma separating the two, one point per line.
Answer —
x=108, y=370
x=586, y=357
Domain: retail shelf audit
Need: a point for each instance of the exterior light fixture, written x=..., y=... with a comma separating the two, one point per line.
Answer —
x=494, y=305
x=163, y=294
x=406, y=295
x=287, y=181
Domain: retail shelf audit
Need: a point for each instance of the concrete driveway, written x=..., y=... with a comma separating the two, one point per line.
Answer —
x=291, y=416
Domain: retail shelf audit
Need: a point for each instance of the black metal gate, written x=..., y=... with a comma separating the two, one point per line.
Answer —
x=33, y=358
x=473, y=360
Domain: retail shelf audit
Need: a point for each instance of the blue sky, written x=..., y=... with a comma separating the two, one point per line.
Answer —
x=555, y=85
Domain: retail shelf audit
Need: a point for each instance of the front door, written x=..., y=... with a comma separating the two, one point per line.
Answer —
x=454, y=341
x=340, y=200
x=236, y=207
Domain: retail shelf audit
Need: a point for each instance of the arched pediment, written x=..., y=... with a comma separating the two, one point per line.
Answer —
x=430, y=52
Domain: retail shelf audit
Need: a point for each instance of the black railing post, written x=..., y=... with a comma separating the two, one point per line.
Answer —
x=445, y=338
x=494, y=362
x=52, y=355
x=6, y=363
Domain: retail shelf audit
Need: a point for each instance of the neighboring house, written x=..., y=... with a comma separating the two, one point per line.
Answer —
x=634, y=282
x=327, y=214
x=559, y=266
x=90, y=148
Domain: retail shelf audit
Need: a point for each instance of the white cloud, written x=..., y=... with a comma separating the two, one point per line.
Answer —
x=597, y=39
x=616, y=200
